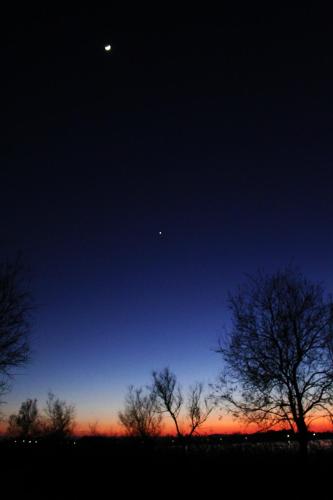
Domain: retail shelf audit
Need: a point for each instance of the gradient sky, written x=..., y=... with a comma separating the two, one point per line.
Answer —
x=216, y=131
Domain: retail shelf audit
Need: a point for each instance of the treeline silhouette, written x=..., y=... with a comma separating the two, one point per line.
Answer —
x=144, y=408
x=56, y=422
x=277, y=369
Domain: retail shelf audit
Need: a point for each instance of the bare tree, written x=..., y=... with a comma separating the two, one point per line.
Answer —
x=168, y=395
x=27, y=422
x=170, y=400
x=198, y=407
x=12, y=428
x=277, y=354
x=15, y=309
x=93, y=429
x=140, y=416
x=60, y=417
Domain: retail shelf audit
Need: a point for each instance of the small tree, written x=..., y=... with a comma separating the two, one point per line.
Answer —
x=15, y=309
x=26, y=423
x=198, y=407
x=140, y=417
x=277, y=354
x=93, y=429
x=60, y=417
x=168, y=395
x=170, y=400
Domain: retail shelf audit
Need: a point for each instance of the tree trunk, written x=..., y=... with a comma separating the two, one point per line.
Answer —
x=179, y=434
x=303, y=445
x=303, y=439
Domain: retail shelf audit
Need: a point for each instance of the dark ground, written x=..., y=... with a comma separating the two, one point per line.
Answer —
x=99, y=468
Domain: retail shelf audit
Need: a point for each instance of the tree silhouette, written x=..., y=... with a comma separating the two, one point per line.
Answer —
x=168, y=395
x=14, y=322
x=93, y=429
x=140, y=417
x=198, y=407
x=170, y=400
x=60, y=417
x=277, y=354
x=27, y=422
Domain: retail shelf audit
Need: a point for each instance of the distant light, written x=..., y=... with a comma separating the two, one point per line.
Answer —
x=74, y=442
x=314, y=434
x=15, y=441
x=288, y=436
x=29, y=442
x=107, y=48
x=36, y=442
x=160, y=233
x=23, y=440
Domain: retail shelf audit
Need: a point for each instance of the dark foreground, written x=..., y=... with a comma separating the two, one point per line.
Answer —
x=102, y=468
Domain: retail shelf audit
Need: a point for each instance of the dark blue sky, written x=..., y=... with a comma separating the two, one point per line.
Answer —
x=216, y=131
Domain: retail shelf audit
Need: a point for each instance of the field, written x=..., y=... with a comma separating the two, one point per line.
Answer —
x=107, y=468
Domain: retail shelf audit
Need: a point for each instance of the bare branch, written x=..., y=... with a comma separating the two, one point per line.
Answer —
x=15, y=308
x=168, y=395
x=198, y=408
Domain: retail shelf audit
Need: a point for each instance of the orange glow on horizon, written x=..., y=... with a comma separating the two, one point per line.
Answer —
x=225, y=425
x=215, y=426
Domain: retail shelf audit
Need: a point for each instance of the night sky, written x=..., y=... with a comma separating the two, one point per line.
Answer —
x=215, y=130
